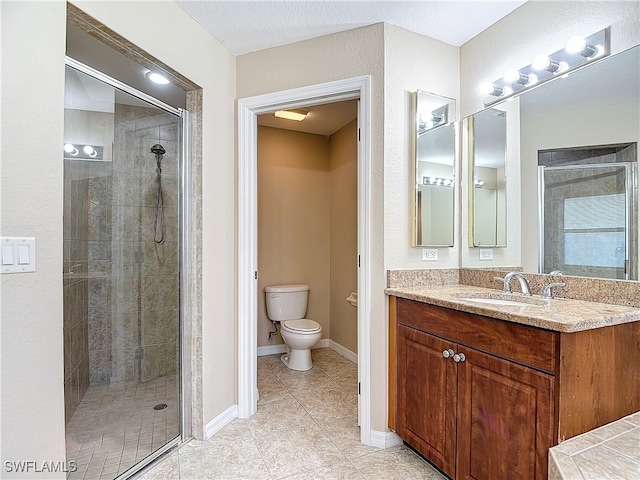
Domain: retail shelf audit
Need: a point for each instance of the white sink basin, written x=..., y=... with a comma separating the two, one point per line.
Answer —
x=504, y=300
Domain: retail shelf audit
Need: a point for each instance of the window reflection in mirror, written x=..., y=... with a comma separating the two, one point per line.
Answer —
x=487, y=147
x=434, y=155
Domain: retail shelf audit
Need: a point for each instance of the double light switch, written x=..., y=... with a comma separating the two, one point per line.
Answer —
x=18, y=254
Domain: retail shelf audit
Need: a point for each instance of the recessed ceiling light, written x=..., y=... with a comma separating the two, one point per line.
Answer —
x=157, y=78
x=297, y=115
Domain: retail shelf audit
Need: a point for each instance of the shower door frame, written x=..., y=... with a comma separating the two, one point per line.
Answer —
x=630, y=201
x=185, y=260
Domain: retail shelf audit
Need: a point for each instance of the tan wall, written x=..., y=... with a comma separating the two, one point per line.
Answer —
x=334, y=57
x=33, y=47
x=343, y=165
x=194, y=53
x=307, y=225
x=293, y=220
x=33, y=39
x=412, y=62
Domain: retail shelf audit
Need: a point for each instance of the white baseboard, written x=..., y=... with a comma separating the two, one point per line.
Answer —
x=271, y=349
x=345, y=352
x=280, y=348
x=385, y=439
x=222, y=420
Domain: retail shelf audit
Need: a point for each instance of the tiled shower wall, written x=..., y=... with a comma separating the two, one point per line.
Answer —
x=122, y=299
x=134, y=309
x=76, y=227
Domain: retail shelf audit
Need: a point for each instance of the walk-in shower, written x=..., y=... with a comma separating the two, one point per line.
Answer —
x=122, y=260
x=588, y=211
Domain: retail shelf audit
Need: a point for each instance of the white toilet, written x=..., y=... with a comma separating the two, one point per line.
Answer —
x=287, y=304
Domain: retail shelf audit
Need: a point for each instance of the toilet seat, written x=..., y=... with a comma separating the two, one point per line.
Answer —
x=302, y=326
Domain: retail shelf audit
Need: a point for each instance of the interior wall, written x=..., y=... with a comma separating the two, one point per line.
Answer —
x=398, y=62
x=412, y=62
x=353, y=53
x=32, y=205
x=294, y=200
x=33, y=48
x=343, y=169
x=194, y=53
x=536, y=27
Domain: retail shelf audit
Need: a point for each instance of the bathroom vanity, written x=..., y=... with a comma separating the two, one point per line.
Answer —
x=483, y=388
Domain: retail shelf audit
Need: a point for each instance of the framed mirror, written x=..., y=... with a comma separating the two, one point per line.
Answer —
x=487, y=144
x=434, y=152
x=577, y=180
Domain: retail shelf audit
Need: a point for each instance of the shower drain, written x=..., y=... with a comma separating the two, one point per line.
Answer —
x=160, y=406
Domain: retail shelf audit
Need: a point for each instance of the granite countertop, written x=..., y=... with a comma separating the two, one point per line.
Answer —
x=559, y=314
x=611, y=451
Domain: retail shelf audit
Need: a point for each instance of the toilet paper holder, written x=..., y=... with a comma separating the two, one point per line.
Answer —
x=353, y=299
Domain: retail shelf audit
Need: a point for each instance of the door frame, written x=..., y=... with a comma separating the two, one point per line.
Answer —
x=247, y=307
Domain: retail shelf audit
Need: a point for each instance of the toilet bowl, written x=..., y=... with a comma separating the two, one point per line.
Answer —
x=299, y=336
x=287, y=304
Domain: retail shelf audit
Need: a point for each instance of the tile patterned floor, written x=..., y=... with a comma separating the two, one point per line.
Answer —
x=115, y=426
x=305, y=429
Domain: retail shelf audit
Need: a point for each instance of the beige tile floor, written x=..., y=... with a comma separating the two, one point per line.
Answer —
x=305, y=428
x=115, y=426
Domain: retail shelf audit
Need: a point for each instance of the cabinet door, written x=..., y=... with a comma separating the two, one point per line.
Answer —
x=426, y=396
x=505, y=419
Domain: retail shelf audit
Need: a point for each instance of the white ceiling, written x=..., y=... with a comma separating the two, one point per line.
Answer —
x=247, y=26
x=244, y=26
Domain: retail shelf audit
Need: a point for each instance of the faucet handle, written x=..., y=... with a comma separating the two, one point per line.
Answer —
x=547, y=292
x=506, y=288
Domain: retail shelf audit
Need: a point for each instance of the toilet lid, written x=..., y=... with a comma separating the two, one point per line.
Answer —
x=303, y=325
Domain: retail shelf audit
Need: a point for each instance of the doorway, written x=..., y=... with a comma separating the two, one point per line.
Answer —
x=248, y=109
x=124, y=200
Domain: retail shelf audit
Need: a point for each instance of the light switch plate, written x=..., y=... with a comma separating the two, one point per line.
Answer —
x=486, y=254
x=18, y=254
x=429, y=254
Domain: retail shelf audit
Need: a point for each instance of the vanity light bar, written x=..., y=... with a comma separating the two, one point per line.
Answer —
x=577, y=53
x=438, y=181
x=82, y=152
x=430, y=120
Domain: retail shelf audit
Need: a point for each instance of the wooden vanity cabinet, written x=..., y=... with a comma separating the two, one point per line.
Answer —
x=495, y=414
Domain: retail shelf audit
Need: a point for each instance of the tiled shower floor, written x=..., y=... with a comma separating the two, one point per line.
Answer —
x=115, y=426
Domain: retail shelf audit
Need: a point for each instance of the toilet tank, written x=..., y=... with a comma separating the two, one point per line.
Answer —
x=286, y=302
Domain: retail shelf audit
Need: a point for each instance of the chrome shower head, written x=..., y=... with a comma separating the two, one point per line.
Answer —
x=158, y=149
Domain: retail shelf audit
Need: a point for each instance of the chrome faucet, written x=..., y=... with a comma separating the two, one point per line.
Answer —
x=524, y=285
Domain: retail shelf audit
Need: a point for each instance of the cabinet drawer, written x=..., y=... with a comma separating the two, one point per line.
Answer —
x=523, y=344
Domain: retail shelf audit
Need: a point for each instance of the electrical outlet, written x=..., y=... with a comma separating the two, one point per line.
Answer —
x=486, y=254
x=429, y=254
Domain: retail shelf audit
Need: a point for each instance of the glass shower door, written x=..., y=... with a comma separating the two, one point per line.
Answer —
x=121, y=277
x=586, y=220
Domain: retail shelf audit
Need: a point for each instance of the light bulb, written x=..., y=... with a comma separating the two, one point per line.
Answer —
x=511, y=75
x=490, y=89
x=69, y=148
x=88, y=149
x=157, y=78
x=581, y=47
x=575, y=45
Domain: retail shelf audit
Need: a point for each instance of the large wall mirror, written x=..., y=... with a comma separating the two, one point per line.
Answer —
x=434, y=159
x=487, y=144
x=578, y=159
